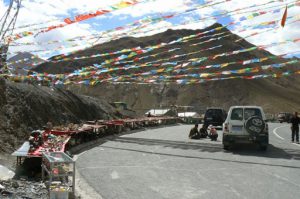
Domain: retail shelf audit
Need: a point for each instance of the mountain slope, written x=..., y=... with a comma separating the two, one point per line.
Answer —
x=273, y=94
x=22, y=59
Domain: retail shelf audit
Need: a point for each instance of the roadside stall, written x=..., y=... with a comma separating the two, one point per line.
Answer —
x=60, y=170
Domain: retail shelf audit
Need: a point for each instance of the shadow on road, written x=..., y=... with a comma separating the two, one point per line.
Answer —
x=208, y=147
x=245, y=150
x=94, y=143
x=272, y=152
x=205, y=158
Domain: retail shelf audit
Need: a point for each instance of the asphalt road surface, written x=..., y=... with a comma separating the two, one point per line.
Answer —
x=163, y=163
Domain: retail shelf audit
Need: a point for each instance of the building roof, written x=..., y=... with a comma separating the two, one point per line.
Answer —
x=23, y=150
x=157, y=111
x=188, y=114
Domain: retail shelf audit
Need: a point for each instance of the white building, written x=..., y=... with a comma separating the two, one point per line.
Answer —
x=189, y=114
x=160, y=112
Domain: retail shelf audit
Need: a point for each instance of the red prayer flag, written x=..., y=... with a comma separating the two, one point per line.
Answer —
x=68, y=21
x=284, y=17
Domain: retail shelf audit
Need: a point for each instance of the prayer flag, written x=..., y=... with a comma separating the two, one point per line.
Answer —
x=284, y=17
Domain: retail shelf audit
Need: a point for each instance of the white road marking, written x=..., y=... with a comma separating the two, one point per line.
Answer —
x=275, y=133
x=296, y=144
x=114, y=175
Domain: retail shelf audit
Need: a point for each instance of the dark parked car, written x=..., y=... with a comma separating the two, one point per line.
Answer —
x=284, y=117
x=214, y=116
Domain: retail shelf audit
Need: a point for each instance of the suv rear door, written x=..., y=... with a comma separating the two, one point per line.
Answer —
x=238, y=118
x=236, y=124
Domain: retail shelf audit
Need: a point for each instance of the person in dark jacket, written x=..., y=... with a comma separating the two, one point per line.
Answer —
x=194, y=133
x=203, y=131
x=295, y=121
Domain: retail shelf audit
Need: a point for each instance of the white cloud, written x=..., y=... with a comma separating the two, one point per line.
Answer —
x=154, y=29
x=72, y=31
x=2, y=7
x=279, y=34
x=37, y=11
x=154, y=7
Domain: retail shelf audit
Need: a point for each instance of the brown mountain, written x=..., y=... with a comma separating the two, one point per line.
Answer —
x=274, y=95
x=22, y=62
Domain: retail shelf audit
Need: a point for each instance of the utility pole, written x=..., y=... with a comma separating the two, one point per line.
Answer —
x=7, y=25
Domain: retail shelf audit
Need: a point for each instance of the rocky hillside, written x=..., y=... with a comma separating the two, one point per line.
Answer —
x=273, y=94
x=26, y=107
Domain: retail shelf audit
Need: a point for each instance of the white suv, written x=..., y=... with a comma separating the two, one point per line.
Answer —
x=245, y=124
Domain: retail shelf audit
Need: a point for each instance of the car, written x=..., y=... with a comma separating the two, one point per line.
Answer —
x=245, y=124
x=284, y=117
x=214, y=116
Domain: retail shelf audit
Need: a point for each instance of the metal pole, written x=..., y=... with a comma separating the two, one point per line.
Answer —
x=7, y=23
x=73, y=183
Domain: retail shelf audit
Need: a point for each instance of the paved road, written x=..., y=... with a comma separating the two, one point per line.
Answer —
x=163, y=163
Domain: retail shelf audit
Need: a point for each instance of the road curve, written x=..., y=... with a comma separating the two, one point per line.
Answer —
x=163, y=163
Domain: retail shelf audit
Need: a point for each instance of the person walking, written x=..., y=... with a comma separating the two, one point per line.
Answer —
x=295, y=121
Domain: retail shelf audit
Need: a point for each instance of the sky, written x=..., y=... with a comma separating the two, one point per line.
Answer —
x=51, y=12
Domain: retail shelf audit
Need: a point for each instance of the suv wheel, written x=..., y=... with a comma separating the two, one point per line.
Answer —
x=263, y=147
x=255, y=125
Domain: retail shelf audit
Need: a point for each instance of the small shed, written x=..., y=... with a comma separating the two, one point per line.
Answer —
x=161, y=112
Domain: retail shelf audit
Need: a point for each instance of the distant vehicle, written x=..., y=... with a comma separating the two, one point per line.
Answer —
x=245, y=124
x=214, y=116
x=284, y=117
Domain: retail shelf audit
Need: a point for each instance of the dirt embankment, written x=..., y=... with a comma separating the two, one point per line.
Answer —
x=27, y=107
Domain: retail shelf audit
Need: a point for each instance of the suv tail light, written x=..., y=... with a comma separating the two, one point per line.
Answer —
x=226, y=128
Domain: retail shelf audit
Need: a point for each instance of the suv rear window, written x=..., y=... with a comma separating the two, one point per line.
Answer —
x=249, y=112
x=213, y=112
x=237, y=114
